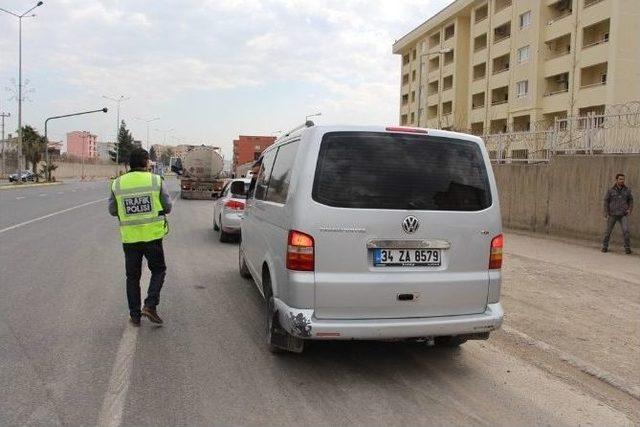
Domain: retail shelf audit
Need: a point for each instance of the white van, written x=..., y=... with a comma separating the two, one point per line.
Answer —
x=374, y=233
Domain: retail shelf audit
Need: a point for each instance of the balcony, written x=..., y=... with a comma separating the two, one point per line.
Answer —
x=405, y=100
x=479, y=71
x=434, y=41
x=405, y=79
x=477, y=101
x=498, y=126
x=481, y=13
x=558, y=11
x=447, y=83
x=589, y=3
x=432, y=112
x=434, y=64
x=480, y=43
x=448, y=58
x=556, y=84
x=500, y=64
x=500, y=95
x=447, y=108
x=449, y=32
x=596, y=34
x=500, y=5
x=593, y=76
x=502, y=32
x=432, y=88
x=558, y=47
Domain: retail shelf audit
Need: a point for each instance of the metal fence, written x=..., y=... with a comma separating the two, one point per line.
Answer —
x=615, y=131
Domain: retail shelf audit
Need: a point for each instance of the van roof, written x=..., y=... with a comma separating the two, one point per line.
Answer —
x=391, y=129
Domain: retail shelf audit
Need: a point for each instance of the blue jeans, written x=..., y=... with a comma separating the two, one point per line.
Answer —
x=611, y=223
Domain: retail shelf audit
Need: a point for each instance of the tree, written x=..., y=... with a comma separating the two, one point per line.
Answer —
x=165, y=157
x=153, y=154
x=33, y=146
x=124, y=145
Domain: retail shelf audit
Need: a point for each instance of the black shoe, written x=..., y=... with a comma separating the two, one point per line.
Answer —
x=151, y=314
x=628, y=251
x=605, y=250
x=135, y=321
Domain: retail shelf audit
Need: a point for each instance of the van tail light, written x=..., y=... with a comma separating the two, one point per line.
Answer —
x=300, y=252
x=495, y=259
x=234, y=205
x=405, y=129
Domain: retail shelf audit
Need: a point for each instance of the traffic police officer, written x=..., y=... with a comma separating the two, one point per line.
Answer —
x=140, y=202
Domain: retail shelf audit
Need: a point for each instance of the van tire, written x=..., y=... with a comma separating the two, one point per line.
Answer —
x=278, y=339
x=449, y=341
x=242, y=265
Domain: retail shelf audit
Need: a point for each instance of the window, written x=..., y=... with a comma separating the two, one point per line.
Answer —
x=525, y=19
x=262, y=183
x=523, y=54
x=421, y=172
x=281, y=174
x=522, y=88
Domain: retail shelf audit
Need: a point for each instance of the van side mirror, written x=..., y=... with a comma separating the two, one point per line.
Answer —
x=237, y=188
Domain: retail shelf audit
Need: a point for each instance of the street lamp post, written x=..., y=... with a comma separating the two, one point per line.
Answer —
x=19, y=148
x=122, y=98
x=3, y=115
x=439, y=52
x=147, y=122
x=46, y=140
x=164, y=134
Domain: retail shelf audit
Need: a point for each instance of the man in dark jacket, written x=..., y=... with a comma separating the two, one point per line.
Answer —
x=618, y=204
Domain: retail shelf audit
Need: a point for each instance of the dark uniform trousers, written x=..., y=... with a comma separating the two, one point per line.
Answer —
x=133, y=254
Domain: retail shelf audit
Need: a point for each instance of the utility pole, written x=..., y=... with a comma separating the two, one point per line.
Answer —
x=25, y=14
x=4, y=164
x=147, y=122
x=122, y=98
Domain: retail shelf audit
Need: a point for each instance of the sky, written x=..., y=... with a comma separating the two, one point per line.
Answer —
x=210, y=70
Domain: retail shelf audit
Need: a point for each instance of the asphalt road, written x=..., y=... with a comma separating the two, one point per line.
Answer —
x=69, y=357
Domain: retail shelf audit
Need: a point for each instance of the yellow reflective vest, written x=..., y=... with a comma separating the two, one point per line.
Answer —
x=137, y=196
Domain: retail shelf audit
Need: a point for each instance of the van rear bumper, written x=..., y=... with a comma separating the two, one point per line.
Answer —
x=302, y=324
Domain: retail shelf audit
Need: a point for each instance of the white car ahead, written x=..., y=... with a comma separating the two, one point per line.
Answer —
x=228, y=210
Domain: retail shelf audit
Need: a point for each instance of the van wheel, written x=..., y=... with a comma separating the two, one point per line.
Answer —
x=278, y=339
x=242, y=265
x=449, y=341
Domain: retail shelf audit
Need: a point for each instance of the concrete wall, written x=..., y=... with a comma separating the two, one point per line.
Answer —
x=74, y=170
x=565, y=196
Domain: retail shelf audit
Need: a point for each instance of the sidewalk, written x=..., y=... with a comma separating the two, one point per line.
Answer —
x=576, y=299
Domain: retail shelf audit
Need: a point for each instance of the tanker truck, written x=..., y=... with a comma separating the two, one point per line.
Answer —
x=199, y=171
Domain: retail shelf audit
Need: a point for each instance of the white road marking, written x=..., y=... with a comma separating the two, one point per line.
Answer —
x=60, y=192
x=22, y=224
x=115, y=398
x=20, y=197
x=601, y=374
x=42, y=194
x=74, y=191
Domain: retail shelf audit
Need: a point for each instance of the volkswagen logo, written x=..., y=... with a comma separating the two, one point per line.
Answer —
x=410, y=224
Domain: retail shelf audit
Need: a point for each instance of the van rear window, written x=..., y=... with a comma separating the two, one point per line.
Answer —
x=379, y=170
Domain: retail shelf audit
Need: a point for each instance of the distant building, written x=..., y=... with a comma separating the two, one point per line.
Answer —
x=249, y=148
x=104, y=147
x=55, y=149
x=82, y=144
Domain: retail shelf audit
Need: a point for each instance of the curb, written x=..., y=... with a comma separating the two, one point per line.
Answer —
x=16, y=186
x=621, y=384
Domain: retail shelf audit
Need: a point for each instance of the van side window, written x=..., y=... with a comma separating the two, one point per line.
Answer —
x=262, y=182
x=281, y=174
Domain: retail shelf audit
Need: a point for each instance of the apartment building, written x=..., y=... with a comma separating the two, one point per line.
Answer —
x=492, y=66
x=82, y=144
x=248, y=148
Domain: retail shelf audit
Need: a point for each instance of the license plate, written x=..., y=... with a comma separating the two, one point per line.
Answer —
x=407, y=257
